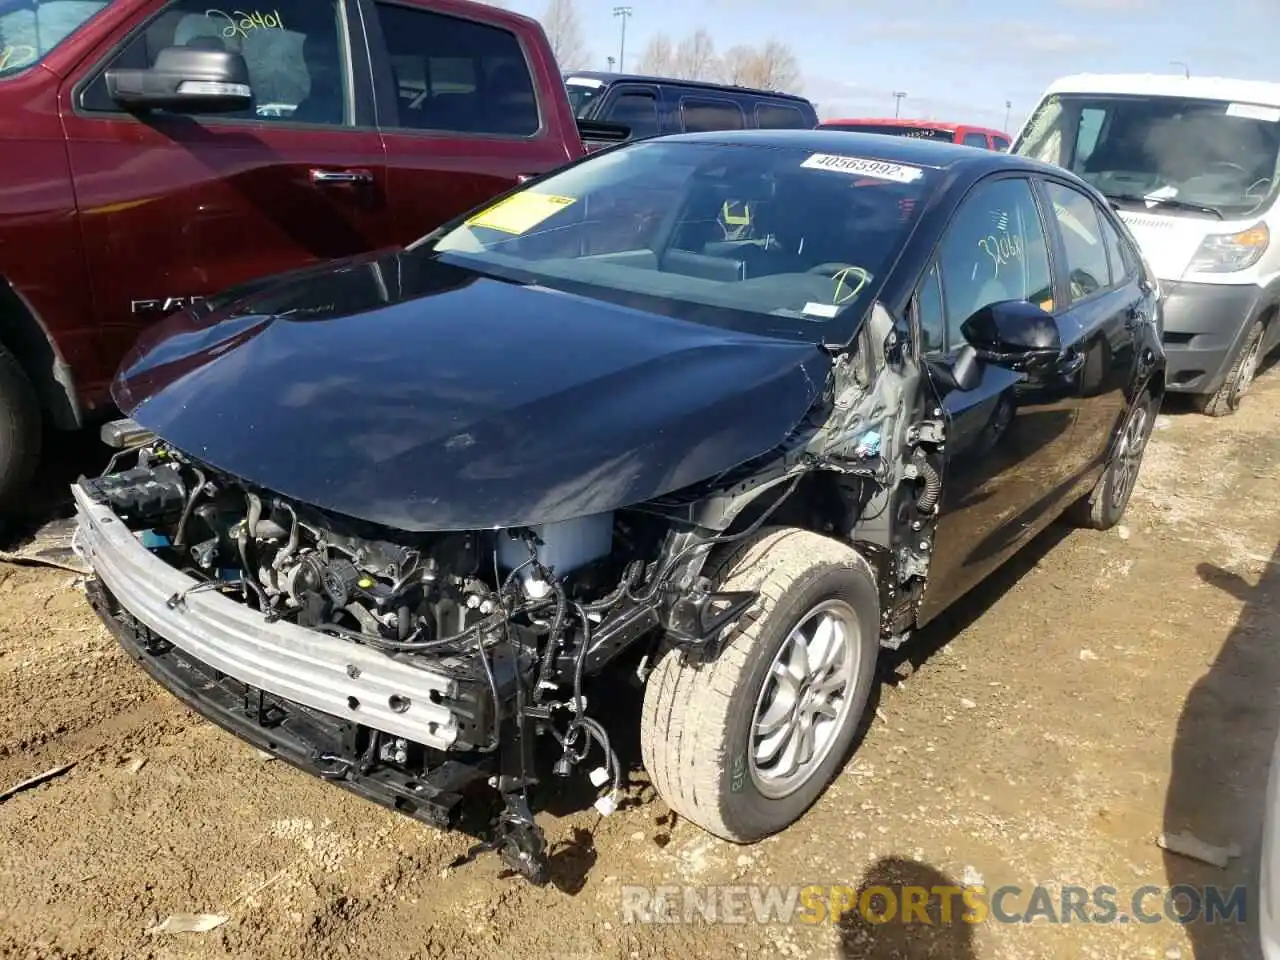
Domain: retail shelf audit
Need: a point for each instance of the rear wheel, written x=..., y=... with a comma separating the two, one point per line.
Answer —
x=20, y=426
x=1226, y=400
x=1105, y=506
x=744, y=744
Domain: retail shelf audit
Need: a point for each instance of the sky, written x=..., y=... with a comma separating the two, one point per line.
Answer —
x=959, y=60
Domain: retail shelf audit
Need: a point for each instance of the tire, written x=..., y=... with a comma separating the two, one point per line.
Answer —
x=1105, y=505
x=1226, y=400
x=20, y=433
x=695, y=732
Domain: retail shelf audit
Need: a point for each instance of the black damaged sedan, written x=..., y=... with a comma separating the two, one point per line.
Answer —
x=725, y=413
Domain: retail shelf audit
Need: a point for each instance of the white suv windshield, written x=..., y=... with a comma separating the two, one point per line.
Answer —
x=759, y=238
x=30, y=29
x=1197, y=156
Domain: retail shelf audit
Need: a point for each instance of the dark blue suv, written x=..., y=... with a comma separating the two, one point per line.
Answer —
x=653, y=106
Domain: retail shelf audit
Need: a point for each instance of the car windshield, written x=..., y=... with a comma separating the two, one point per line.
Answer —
x=1195, y=156
x=30, y=29
x=893, y=130
x=766, y=239
x=582, y=93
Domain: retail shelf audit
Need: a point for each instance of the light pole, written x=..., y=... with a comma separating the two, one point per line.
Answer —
x=1008, y=106
x=897, y=102
x=622, y=13
x=1186, y=71
x=612, y=61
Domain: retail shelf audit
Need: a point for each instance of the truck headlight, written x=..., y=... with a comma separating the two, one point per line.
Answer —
x=1231, y=252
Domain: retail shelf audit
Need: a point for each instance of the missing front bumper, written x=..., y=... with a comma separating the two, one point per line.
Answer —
x=317, y=743
x=344, y=680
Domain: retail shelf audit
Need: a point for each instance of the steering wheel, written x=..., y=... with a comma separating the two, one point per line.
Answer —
x=832, y=267
x=1233, y=166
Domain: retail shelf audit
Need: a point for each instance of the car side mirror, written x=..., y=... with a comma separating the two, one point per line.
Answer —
x=596, y=134
x=963, y=372
x=185, y=79
x=1012, y=330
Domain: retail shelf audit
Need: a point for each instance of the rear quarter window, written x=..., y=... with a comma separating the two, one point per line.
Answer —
x=780, y=116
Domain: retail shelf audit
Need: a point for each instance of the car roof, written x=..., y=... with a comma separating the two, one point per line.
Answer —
x=607, y=77
x=949, y=125
x=872, y=146
x=1166, y=85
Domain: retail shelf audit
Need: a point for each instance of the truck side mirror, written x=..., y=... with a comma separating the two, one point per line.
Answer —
x=185, y=79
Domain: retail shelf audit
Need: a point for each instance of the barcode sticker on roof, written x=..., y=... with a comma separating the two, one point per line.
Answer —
x=1254, y=111
x=862, y=167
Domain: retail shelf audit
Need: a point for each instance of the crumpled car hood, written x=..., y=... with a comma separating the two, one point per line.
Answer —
x=418, y=395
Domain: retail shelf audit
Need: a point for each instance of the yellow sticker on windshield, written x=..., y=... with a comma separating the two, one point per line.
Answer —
x=520, y=212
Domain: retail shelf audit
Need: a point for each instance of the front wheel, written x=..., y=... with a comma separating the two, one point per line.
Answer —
x=744, y=744
x=1105, y=506
x=1226, y=399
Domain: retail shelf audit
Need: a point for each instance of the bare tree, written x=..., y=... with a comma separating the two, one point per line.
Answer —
x=770, y=67
x=695, y=57
x=564, y=31
x=658, y=56
x=778, y=67
x=738, y=65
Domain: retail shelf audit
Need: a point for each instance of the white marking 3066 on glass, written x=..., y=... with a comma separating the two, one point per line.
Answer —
x=862, y=167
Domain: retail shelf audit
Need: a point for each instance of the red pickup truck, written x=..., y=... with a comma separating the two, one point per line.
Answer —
x=159, y=151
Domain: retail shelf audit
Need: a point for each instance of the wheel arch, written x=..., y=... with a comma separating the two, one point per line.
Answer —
x=28, y=339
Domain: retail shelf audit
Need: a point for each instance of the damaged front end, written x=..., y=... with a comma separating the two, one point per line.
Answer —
x=409, y=668
x=421, y=667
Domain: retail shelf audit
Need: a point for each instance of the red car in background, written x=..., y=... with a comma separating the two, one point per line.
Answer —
x=968, y=134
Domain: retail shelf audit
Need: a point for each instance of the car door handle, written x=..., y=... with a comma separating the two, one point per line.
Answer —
x=319, y=176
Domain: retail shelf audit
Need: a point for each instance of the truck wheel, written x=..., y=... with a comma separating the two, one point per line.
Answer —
x=1103, y=508
x=20, y=428
x=743, y=744
x=1228, y=396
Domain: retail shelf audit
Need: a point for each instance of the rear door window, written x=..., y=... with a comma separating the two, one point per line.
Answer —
x=456, y=75
x=707, y=113
x=779, y=116
x=1088, y=266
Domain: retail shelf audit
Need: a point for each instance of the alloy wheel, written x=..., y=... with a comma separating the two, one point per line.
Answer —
x=805, y=700
x=1128, y=461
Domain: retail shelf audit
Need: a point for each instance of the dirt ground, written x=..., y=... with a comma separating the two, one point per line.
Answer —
x=1102, y=689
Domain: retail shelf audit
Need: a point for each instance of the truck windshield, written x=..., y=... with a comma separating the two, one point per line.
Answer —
x=1188, y=157
x=30, y=29
x=582, y=93
x=757, y=238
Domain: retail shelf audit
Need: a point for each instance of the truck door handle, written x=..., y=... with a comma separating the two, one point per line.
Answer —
x=319, y=176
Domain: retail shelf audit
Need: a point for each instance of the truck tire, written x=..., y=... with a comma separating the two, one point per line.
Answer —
x=701, y=715
x=1105, y=505
x=20, y=433
x=1226, y=399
